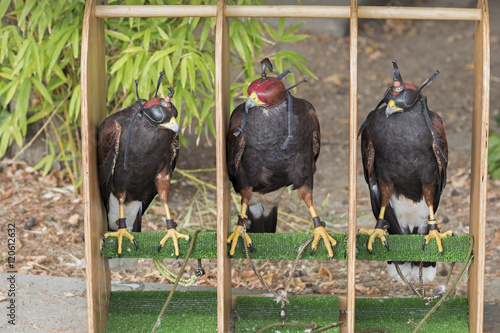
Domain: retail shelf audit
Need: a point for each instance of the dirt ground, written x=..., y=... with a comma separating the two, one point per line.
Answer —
x=48, y=212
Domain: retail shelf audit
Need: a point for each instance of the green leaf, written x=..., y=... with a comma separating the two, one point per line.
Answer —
x=18, y=137
x=74, y=103
x=162, y=33
x=281, y=26
x=39, y=115
x=134, y=49
x=270, y=31
x=192, y=73
x=118, y=35
x=42, y=90
x=56, y=51
x=119, y=63
x=22, y=51
x=4, y=45
x=75, y=42
x=292, y=38
x=26, y=9
x=23, y=99
x=167, y=66
x=4, y=5
x=204, y=33
x=183, y=73
x=146, y=40
x=12, y=89
x=292, y=29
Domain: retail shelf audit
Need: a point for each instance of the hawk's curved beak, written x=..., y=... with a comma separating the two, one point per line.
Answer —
x=252, y=101
x=171, y=125
x=391, y=108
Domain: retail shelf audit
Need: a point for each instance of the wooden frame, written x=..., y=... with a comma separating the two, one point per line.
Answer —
x=93, y=111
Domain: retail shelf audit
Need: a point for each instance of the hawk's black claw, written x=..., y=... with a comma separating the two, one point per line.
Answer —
x=312, y=251
x=440, y=253
x=386, y=245
x=119, y=255
x=159, y=248
x=423, y=246
x=251, y=247
x=136, y=245
x=103, y=241
x=331, y=258
x=176, y=257
x=371, y=251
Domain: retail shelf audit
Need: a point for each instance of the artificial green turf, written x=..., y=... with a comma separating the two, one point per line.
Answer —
x=137, y=311
x=253, y=313
x=285, y=246
x=266, y=246
x=409, y=248
x=404, y=314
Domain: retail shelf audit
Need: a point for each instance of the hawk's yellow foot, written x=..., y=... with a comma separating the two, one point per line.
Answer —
x=233, y=240
x=434, y=233
x=377, y=232
x=172, y=233
x=119, y=234
x=330, y=242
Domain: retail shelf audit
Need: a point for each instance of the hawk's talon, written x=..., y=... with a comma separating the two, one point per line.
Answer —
x=330, y=242
x=377, y=232
x=233, y=240
x=136, y=245
x=172, y=233
x=438, y=236
x=119, y=234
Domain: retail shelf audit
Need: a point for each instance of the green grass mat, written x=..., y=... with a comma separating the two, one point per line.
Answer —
x=285, y=246
x=266, y=246
x=253, y=313
x=404, y=314
x=409, y=248
x=137, y=311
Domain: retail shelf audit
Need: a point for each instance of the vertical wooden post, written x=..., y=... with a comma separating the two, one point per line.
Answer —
x=93, y=110
x=479, y=167
x=223, y=191
x=353, y=126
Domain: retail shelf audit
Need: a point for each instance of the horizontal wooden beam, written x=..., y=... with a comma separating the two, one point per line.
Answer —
x=415, y=13
x=364, y=12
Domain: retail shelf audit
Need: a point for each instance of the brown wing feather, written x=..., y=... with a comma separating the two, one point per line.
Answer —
x=108, y=143
x=316, y=133
x=443, y=143
x=235, y=144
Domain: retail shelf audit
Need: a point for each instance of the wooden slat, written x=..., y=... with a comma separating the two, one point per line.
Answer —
x=222, y=90
x=288, y=11
x=353, y=155
x=365, y=12
x=93, y=101
x=416, y=13
x=156, y=11
x=479, y=167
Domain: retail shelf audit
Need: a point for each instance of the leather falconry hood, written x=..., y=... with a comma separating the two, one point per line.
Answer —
x=403, y=94
x=269, y=90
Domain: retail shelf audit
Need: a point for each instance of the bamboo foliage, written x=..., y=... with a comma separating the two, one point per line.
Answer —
x=40, y=50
